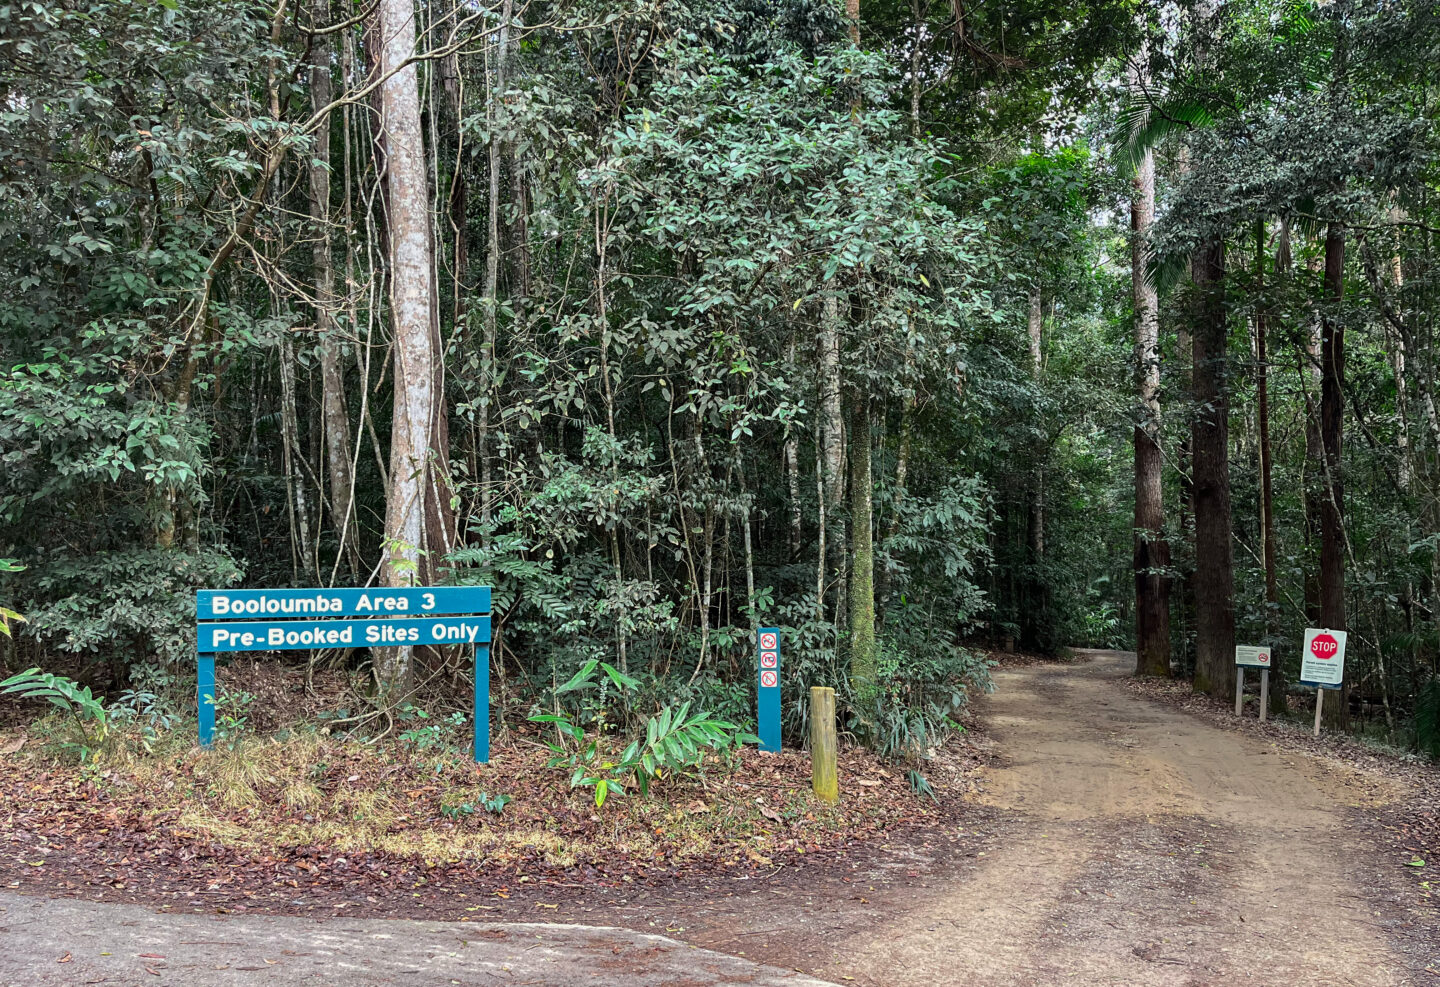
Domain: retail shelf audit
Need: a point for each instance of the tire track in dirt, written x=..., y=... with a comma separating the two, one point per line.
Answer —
x=1127, y=843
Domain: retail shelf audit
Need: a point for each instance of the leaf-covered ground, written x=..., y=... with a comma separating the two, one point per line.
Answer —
x=313, y=822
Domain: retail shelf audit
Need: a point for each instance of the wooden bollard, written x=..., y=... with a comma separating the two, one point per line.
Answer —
x=824, y=772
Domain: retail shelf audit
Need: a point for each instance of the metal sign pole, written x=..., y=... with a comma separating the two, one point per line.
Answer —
x=1239, y=689
x=1264, y=693
x=482, y=703
x=1319, y=704
x=205, y=698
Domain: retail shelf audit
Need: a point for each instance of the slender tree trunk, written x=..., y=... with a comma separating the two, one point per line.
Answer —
x=1278, y=701
x=1314, y=485
x=1262, y=412
x=862, y=580
x=1152, y=551
x=749, y=553
x=1036, y=604
x=1214, y=552
x=492, y=266
x=821, y=527
x=790, y=456
x=334, y=412
x=833, y=453
x=1332, y=424
x=303, y=553
x=418, y=523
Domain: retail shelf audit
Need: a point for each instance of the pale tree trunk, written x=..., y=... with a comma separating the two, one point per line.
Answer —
x=821, y=528
x=1262, y=414
x=833, y=452
x=862, y=578
x=1036, y=328
x=333, y=410
x=418, y=522
x=791, y=462
x=303, y=551
x=1313, y=486
x=1036, y=603
x=1395, y=343
x=1214, y=551
x=1151, y=551
x=492, y=269
x=1332, y=425
x=1278, y=701
x=749, y=554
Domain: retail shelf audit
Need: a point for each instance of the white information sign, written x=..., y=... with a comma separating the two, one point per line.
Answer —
x=1322, y=660
x=1250, y=656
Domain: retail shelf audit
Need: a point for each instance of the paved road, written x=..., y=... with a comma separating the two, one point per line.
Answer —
x=73, y=942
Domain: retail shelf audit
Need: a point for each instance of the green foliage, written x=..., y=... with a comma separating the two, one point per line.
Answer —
x=232, y=715
x=674, y=741
x=494, y=804
x=924, y=681
x=87, y=711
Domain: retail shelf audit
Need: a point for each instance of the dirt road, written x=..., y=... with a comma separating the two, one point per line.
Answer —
x=1125, y=843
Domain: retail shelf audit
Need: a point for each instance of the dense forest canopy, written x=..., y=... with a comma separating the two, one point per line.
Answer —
x=908, y=327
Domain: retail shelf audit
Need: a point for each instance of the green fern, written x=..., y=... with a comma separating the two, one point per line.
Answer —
x=87, y=709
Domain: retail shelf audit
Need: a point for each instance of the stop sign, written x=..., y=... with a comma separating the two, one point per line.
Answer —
x=1324, y=647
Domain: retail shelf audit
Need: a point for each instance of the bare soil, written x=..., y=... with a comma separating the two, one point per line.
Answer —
x=1117, y=841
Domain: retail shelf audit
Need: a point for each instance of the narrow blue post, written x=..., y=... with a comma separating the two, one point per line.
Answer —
x=767, y=693
x=205, y=697
x=482, y=704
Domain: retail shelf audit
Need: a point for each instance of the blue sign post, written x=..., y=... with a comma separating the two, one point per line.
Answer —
x=296, y=619
x=767, y=693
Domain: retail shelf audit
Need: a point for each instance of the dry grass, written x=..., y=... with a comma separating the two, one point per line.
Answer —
x=308, y=791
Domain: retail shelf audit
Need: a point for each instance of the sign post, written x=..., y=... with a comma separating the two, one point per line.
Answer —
x=767, y=694
x=1322, y=664
x=1250, y=656
x=302, y=619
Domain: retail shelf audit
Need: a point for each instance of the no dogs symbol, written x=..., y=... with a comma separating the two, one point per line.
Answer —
x=768, y=679
x=767, y=640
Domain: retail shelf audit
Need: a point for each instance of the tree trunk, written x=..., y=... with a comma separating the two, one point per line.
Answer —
x=1269, y=545
x=862, y=575
x=833, y=453
x=1332, y=424
x=303, y=551
x=1152, y=551
x=1036, y=604
x=492, y=267
x=1214, y=553
x=791, y=460
x=333, y=407
x=418, y=522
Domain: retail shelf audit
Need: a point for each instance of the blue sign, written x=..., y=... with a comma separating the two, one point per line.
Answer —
x=288, y=604
x=298, y=635
x=768, y=690
x=302, y=619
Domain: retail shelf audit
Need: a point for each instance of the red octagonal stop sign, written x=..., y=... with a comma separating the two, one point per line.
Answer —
x=1324, y=647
